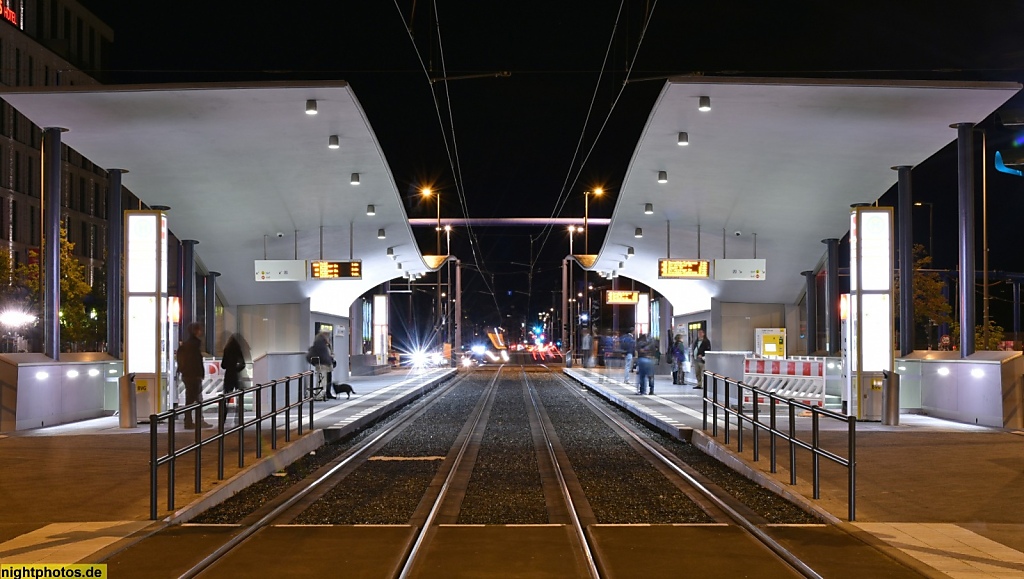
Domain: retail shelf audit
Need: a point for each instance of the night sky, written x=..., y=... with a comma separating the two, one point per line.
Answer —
x=516, y=136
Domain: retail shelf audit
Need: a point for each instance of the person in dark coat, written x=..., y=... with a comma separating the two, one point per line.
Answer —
x=700, y=347
x=321, y=356
x=233, y=363
x=190, y=366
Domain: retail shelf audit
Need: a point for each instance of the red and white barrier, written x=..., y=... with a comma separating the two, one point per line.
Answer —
x=802, y=380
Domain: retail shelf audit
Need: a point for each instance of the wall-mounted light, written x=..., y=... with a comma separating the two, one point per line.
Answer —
x=978, y=373
x=662, y=176
x=638, y=233
x=648, y=208
x=943, y=371
x=311, y=107
x=354, y=180
x=630, y=252
x=42, y=375
x=704, y=104
x=72, y=374
x=371, y=210
x=94, y=373
x=683, y=139
x=333, y=142
x=391, y=252
x=381, y=234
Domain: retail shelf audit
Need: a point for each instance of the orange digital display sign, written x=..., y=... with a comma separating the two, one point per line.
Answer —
x=621, y=297
x=336, y=269
x=683, y=269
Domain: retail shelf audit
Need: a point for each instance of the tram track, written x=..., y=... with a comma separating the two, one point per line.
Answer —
x=504, y=471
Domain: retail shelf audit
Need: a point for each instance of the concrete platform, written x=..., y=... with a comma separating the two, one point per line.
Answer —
x=71, y=491
x=943, y=493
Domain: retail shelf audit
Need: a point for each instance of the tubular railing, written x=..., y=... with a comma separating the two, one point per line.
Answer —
x=754, y=416
x=305, y=384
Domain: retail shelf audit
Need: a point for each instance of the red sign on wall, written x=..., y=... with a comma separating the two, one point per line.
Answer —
x=8, y=12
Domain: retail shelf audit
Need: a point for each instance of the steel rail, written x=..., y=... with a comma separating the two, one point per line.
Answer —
x=785, y=554
x=421, y=535
x=353, y=454
x=577, y=525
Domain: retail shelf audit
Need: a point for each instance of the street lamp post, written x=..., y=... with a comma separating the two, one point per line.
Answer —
x=586, y=217
x=427, y=192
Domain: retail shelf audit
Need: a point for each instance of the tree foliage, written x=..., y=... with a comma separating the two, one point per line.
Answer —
x=75, y=323
x=995, y=336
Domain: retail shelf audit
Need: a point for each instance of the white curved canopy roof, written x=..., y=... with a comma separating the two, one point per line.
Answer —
x=239, y=162
x=781, y=158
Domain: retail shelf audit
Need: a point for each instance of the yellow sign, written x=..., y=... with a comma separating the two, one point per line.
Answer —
x=142, y=385
x=682, y=268
x=621, y=297
x=336, y=269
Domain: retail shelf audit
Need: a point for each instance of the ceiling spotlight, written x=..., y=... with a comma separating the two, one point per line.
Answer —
x=311, y=107
x=662, y=176
x=381, y=234
x=399, y=265
x=333, y=142
x=391, y=252
x=622, y=264
x=614, y=274
x=704, y=104
x=684, y=139
x=630, y=252
x=637, y=234
x=371, y=210
x=354, y=180
x=648, y=208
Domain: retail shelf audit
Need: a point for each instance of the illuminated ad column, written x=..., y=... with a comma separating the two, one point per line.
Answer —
x=146, y=352
x=380, y=328
x=871, y=281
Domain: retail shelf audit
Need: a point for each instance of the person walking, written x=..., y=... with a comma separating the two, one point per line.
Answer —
x=645, y=348
x=190, y=365
x=628, y=345
x=700, y=347
x=321, y=356
x=678, y=355
x=233, y=363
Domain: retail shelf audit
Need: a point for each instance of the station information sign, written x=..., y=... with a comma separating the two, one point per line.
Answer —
x=336, y=269
x=683, y=269
x=614, y=297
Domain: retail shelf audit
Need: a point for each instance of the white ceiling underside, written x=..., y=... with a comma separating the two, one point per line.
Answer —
x=237, y=163
x=780, y=158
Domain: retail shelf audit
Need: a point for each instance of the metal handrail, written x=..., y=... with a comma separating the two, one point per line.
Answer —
x=790, y=435
x=221, y=401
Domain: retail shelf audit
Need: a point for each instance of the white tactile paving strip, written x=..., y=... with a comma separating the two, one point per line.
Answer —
x=951, y=549
x=66, y=542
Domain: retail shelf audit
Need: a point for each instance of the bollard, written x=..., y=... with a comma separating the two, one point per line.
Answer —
x=127, y=411
x=891, y=399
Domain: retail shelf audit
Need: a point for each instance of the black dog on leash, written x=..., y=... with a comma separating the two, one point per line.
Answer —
x=346, y=388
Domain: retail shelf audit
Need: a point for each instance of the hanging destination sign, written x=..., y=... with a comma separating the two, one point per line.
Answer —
x=621, y=297
x=336, y=269
x=683, y=269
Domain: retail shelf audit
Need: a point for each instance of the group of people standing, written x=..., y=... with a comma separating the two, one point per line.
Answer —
x=646, y=351
x=189, y=358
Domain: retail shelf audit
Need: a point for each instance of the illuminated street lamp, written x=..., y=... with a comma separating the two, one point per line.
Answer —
x=572, y=229
x=586, y=217
x=427, y=192
x=15, y=320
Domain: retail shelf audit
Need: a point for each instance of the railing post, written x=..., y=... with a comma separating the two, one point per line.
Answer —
x=299, y=404
x=853, y=467
x=725, y=412
x=755, y=424
x=739, y=417
x=222, y=414
x=704, y=398
x=815, y=459
x=273, y=415
x=152, y=466
x=173, y=453
x=714, y=407
x=310, y=402
x=288, y=410
x=259, y=421
x=198, y=424
x=792, y=443
x=240, y=409
x=774, y=429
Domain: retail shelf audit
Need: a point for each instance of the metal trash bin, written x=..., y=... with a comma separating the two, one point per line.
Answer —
x=891, y=399
x=127, y=412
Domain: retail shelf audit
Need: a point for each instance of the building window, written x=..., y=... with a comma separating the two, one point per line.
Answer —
x=14, y=221
x=17, y=171
x=53, y=19
x=17, y=67
x=96, y=201
x=67, y=26
x=93, y=241
x=82, y=205
x=92, y=48
x=79, y=37
x=46, y=76
x=32, y=226
x=31, y=71
x=84, y=248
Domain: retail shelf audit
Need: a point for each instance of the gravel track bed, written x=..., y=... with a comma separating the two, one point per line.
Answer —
x=776, y=509
x=621, y=486
x=505, y=487
x=386, y=492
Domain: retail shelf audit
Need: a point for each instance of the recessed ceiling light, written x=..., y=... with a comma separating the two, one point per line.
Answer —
x=704, y=104
x=371, y=210
x=648, y=208
x=354, y=180
x=311, y=107
x=638, y=233
x=662, y=176
x=333, y=142
x=683, y=140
